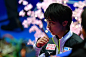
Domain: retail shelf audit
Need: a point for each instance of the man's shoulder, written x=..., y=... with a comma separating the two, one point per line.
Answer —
x=75, y=37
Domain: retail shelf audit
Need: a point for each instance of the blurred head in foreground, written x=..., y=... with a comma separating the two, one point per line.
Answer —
x=79, y=50
x=83, y=23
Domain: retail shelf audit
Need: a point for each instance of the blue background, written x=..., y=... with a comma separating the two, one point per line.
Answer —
x=24, y=34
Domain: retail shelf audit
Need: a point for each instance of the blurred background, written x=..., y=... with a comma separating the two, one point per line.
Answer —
x=22, y=22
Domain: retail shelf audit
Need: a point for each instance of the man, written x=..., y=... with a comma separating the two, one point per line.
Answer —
x=59, y=18
x=13, y=17
x=79, y=50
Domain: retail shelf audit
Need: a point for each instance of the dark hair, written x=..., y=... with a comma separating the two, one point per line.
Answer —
x=59, y=12
x=83, y=16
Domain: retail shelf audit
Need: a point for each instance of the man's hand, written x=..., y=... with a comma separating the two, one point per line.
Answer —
x=42, y=41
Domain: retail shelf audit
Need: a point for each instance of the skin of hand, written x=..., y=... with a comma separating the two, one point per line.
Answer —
x=42, y=41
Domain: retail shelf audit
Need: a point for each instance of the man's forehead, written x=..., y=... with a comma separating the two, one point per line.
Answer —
x=49, y=20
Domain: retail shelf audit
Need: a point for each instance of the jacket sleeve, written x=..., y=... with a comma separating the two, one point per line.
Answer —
x=40, y=52
x=37, y=50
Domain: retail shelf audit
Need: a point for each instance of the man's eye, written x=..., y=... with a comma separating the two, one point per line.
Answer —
x=51, y=23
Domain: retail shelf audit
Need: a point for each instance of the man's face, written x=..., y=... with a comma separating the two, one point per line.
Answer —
x=54, y=27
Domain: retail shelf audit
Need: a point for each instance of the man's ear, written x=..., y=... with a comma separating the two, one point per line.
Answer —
x=64, y=23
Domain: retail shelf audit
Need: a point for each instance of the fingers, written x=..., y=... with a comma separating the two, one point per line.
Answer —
x=42, y=41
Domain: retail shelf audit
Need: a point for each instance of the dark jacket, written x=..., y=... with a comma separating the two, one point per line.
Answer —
x=79, y=50
x=74, y=39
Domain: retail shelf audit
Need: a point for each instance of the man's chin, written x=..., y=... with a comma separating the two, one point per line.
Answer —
x=52, y=33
